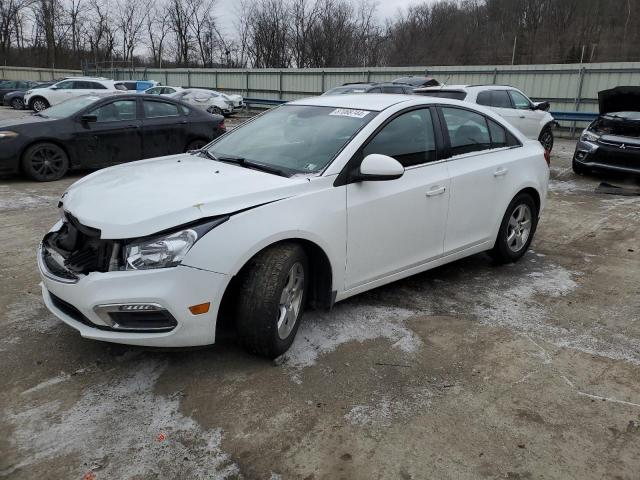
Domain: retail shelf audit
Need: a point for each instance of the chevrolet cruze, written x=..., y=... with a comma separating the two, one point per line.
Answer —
x=304, y=206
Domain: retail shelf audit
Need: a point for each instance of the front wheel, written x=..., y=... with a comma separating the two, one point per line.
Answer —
x=45, y=162
x=272, y=298
x=39, y=104
x=516, y=230
x=546, y=138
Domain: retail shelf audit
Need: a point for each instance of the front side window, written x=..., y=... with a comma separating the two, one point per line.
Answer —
x=520, y=101
x=468, y=131
x=68, y=85
x=408, y=138
x=116, y=111
x=168, y=91
x=159, y=109
x=375, y=90
x=97, y=86
x=293, y=138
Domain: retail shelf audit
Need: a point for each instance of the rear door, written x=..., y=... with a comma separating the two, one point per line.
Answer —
x=163, y=128
x=479, y=166
x=115, y=136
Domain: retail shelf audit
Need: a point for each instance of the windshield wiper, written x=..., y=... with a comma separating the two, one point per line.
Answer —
x=243, y=162
x=204, y=152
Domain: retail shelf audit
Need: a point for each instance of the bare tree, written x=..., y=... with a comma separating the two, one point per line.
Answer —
x=130, y=21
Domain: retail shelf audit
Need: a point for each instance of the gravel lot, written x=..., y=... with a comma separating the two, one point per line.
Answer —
x=471, y=370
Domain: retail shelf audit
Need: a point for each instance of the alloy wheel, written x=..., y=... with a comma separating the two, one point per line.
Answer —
x=17, y=104
x=39, y=105
x=290, y=300
x=519, y=227
x=47, y=163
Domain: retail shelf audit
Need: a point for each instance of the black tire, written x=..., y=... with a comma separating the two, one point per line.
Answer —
x=259, y=306
x=216, y=111
x=196, y=144
x=577, y=168
x=38, y=104
x=508, y=249
x=17, y=104
x=45, y=162
x=546, y=138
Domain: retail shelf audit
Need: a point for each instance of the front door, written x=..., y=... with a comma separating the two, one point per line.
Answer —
x=398, y=224
x=115, y=136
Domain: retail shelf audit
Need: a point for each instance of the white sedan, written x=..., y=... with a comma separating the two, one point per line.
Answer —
x=305, y=205
x=210, y=100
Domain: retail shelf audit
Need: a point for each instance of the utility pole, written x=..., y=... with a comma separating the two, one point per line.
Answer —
x=513, y=54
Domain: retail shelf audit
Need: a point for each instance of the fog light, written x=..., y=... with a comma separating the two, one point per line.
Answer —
x=580, y=155
x=199, y=309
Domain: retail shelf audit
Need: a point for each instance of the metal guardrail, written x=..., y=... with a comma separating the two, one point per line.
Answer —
x=263, y=101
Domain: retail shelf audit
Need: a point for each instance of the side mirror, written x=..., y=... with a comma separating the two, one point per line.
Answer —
x=89, y=118
x=376, y=167
x=544, y=106
x=53, y=87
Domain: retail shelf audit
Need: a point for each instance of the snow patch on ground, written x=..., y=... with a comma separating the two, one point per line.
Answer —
x=156, y=441
x=11, y=199
x=565, y=186
x=323, y=332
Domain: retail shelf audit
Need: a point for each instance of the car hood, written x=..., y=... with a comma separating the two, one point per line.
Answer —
x=148, y=196
x=24, y=121
x=619, y=99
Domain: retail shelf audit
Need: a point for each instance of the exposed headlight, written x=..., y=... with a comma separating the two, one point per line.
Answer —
x=588, y=136
x=165, y=251
x=161, y=252
x=7, y=134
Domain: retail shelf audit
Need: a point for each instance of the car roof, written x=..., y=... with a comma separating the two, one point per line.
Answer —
x=371, y=101
x=466, y=87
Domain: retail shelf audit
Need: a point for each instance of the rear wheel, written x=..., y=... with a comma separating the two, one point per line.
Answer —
x=516, y=230
x=271, y=299
x=45, y=162
x=39, y=104
x=17, y=104
x=546, y=138
x=196, y=145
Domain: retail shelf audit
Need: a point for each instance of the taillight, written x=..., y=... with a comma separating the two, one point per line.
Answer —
x=547, y=157
x=222, y=126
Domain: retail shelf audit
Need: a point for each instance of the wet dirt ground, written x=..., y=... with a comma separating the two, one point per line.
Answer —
x=469, y=371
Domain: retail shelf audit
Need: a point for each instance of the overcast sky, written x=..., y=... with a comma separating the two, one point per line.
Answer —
x=226, y=11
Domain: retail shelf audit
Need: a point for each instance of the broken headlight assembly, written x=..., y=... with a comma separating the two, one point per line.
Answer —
x=589, y=136
x=163, y=251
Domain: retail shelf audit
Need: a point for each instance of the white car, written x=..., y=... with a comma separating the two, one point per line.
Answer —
x=163, y=90
x=307, y=204
x=41, y=98
x=531, y=118
x=210, y=100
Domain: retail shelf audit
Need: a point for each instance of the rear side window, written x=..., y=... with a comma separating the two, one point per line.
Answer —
x=159, y=109
x=452, y=94
x=373, y=90
x=408, y=138
x=500, y=136
x=468, y=131
x=97, y=86
x=494, y=98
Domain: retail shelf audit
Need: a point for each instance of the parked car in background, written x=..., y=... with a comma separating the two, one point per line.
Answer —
x=163, y=90
x=370, y=87
x=8, y=86
x=134, y=86
x=41, y=98
x=417, y=81
x=96, y=131
x=612, y=141
x=15, y=99
x=208, y=100
x=308, y=204
x=531, y=118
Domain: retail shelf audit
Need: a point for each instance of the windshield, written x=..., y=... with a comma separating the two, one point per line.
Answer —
x=293, y=138
x=70, y=107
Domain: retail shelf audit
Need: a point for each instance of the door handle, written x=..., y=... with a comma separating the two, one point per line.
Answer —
x=522, y=116
x=500, y=172
x=133, y=125
x=436, y=191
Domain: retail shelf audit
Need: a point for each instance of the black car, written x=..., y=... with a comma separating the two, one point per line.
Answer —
x=97, y=131
x=16, y=99
x=8, y=86
x=418, y=81
x=612, y=141
x=370, y=87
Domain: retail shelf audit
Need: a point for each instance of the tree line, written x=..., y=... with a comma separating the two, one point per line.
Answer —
x=315, y=33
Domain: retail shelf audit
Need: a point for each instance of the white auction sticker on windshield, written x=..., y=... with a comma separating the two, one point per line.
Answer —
x=349, y=112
